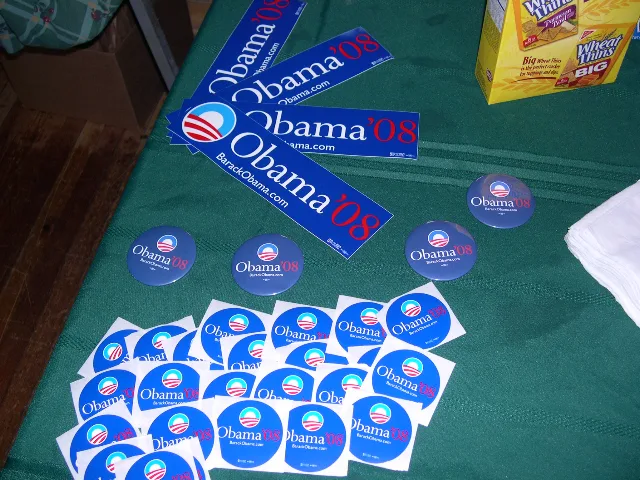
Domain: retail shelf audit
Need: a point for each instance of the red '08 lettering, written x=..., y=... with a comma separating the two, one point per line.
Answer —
x=368, y=223
x=271, y=12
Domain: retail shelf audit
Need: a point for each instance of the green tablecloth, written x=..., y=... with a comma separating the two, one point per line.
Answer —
x=547, y=377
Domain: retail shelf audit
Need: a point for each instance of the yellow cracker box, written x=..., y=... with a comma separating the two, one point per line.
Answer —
x=536, y=47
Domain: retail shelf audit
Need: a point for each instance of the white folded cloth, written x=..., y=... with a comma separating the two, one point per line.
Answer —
x=607, y=243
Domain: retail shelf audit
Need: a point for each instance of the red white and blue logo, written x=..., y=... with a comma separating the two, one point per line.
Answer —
x=312, y=421
x=97, y=434
x=167, y=243
x=292, y=385
x=112, y=459
x=238, y=322
x=410, y=308
x=172, y=378
x=267, y=252
x=209, y=122
x=249, y=417
x=380, y=413
x=108, y=385
x=112, y=351
x=369, y=316
x=351, y=382
x=307, y=321
x=178, y=423
x=314, y=357
x=412, y=367
x=255, y=348
x=499, y=189
x=155, y=469
x=439, y=238
x=158, y=338
x=236, y=387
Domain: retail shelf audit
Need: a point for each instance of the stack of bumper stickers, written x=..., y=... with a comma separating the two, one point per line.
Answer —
x=244, y=116
x=251, y=391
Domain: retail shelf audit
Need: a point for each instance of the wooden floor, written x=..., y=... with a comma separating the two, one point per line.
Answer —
x=60, y=182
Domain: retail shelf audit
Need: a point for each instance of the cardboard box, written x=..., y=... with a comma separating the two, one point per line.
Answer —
x=113, y=80
x=538, y=47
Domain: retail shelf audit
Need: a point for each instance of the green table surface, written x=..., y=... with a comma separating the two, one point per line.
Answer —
x=547, y=382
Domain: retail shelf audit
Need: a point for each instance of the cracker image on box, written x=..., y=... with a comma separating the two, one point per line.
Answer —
x=592, y=57
x=540, y=22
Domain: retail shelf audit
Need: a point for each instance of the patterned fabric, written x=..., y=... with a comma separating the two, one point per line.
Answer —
x=56, y=24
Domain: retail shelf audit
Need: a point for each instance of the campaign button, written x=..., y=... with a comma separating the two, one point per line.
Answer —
x=441, y=250
x=500, y=201
x=267, y=264
x=161, y=255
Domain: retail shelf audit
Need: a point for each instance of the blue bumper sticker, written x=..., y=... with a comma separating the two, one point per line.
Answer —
x=316, y=199
x=636, y=33
x=252, y=47
x=340, y=131
x=313, y=71
x=254, y=44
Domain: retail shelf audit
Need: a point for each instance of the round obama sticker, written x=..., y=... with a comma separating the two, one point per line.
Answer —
x=111, y=351
x=408, y=375
x=441, y=250
x=369, y=357
x=501, y=201
x=103, y=465
x=169, y=384
x=159, y=465
x=250, y=433
x=267, y=265
x=105, y=429
x=181, y=423
x=300, y=324
x=226, y=323
x=358, y=325
x=316, y=438
x=231, y=384
x=149, y=346
x=333, y=387
x=181, y=352
x=308, y=355
x=105, y=389
x=285, y=384
x=419, y=319
x=161, y=256
x=247, y=352
x=381, y=429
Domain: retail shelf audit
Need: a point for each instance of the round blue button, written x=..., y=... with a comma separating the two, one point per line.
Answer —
x=500, y=201
x=161, y=255
x=267, y=264
x=441, y=250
